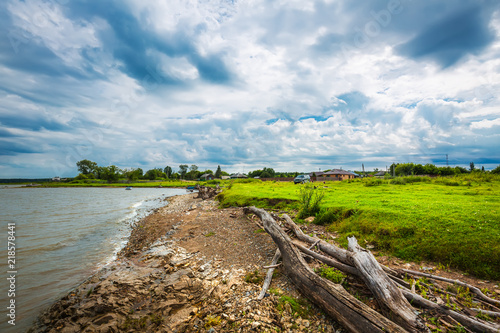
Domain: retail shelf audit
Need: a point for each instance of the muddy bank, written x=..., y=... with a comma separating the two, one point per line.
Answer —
x=187, y=268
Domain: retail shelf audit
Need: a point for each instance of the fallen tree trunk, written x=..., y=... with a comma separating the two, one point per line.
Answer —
x=205, y=192
x=332, y=298
x=344, y=262
x=390, y=298
x=385, y=290
x=471, y=323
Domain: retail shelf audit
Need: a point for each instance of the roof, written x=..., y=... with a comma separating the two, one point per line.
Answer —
x=238, y=175
x=380, y=173
x=338, y=172
x=207, y=175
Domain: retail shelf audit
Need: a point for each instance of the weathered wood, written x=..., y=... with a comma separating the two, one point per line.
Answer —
x=336, y=252
x=473, y=289
x=332, y=298
x=205, y=192
x=384, y=289
x=330, y=249
x=472, y=323
x=390, y=298
x=489, y=313
x=327, y=260
x=269, y=276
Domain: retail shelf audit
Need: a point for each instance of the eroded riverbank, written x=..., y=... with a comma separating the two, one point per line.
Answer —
x=184, y=270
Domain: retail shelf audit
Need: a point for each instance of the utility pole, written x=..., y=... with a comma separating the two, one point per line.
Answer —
x=446, y=159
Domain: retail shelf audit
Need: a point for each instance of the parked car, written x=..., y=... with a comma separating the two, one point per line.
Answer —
x=302, y=179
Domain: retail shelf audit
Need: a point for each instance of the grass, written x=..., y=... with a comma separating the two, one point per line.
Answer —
x=299, y=306
x=451, y=221
x=331, y=274
x=254, y=277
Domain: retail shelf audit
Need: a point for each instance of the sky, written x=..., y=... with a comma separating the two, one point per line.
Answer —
x=289, y=84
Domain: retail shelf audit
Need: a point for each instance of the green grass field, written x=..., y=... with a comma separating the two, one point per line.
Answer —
x=452, y=221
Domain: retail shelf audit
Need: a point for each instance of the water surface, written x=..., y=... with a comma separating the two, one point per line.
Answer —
x=63, y=235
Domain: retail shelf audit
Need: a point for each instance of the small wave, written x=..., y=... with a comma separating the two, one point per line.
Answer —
x=46, y=248
x=137, y=204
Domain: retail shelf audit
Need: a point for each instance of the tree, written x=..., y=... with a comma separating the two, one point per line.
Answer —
x=168, y=171
x=496, y=171
x=183, y=170
x=418, y=169
x=218, y=172
x=431, y=169
x=193, y=172
x=132, y=174
x=269, y=171
x=110, y=173
x=482, y=168
x=471, y=166
x=86, y=166
x=154, y=174
x=447, y=171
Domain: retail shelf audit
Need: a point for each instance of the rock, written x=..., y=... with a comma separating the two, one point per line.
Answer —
x=288, y=308
x=310, y=219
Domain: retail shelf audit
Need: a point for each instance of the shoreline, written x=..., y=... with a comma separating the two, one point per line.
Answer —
x=190, y=266
x=164, y=279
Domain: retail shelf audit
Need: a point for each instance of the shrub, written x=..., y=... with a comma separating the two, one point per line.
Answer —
x=398, y=181
x=327, y=216
x=310, y=198
x=372, y=182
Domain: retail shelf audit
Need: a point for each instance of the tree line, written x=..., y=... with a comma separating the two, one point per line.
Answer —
x=90, y=170
x=407, y=169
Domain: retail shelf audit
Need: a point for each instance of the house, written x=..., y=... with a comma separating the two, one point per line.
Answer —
x=207, y=176
x=337, y=174
x=237, y=175
x=56, y=179
x=380, y=174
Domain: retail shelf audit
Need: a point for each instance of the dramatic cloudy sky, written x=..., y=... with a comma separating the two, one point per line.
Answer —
x=288, y=84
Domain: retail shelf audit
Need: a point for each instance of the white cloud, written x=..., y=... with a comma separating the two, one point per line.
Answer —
x=485, y=124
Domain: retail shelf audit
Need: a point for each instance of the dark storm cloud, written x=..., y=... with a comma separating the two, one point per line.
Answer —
x=131, y=40
x=31, y=123
x=451, y=38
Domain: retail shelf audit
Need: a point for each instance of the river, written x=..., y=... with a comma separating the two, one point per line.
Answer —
x=62, y=236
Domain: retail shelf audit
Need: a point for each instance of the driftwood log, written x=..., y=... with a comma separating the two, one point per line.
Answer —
x=392, y=293
x=205, y=192
x=334, y=299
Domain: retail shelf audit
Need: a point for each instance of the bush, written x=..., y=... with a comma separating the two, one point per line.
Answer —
x=327, y=216
x=310, y=198
x=398, y=181
x=372, y=182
